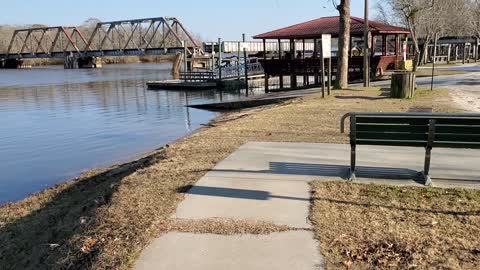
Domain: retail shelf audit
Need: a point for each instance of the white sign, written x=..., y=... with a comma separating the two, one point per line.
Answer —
x=326, y=45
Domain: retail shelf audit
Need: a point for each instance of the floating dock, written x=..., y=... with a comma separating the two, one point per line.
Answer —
x=180, y=85
x=195, y=85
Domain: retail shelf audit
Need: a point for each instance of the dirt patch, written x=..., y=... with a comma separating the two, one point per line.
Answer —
x=103, y=221
x=383, y=227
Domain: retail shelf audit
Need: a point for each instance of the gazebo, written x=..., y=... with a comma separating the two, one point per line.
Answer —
x=384, y=49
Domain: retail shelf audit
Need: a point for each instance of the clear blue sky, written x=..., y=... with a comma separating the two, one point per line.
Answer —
x=209, y=19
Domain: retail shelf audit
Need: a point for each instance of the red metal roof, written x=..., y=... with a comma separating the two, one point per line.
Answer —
x=329, y=25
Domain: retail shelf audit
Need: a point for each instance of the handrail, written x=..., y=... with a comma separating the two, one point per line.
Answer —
x=400, y=114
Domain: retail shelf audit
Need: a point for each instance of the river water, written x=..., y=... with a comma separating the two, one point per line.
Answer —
x=56, y=123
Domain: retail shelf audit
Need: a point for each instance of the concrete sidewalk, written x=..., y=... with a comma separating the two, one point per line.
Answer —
x=270, y=182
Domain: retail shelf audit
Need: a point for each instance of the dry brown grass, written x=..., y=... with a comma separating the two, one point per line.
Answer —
x=226, y=226
x=103, y=221
x=383, y=227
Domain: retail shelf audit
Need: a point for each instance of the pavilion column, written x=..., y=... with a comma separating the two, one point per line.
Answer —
x=293, y=76
x=280, y=52
x=265, y=59
x=397, y=45
x=449, y=52
x=305, y=76
x=384, y=45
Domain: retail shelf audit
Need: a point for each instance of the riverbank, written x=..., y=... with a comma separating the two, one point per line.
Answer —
x=103, y=220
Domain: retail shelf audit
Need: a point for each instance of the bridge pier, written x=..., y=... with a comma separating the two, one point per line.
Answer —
x=11, y=63
x=75, y=62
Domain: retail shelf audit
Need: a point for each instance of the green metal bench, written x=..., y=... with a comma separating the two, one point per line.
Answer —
x=426, y=130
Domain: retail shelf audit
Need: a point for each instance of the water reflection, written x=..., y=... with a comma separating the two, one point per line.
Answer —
x=57, y=127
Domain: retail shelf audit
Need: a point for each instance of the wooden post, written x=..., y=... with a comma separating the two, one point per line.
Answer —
x=322, y=58
x=464, y=53
x=238, y=61
x=384, y=45
x=265, y=59
x=315, y=56
x=456, y=53
x=293, y=76
x=280, y=52
x=305, y=77
x=185, y=64
x=449, y=51
x=246, y=64
x=329, y=75
x=219, y=59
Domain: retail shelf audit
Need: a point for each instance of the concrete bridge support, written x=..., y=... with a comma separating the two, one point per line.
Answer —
x=75, y=62
x=11, y=63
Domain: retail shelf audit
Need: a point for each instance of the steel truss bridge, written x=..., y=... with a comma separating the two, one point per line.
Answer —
x=150, y=36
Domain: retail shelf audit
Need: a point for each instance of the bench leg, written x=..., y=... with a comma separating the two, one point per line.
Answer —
x=426, y=169
x=353, y=156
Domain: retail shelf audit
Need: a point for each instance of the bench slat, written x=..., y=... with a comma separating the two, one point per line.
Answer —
x=392, y=120
x=392, y=128
x=460, y=138
x=470, y=145
x=393, y=136
x=457, y=129
x=391, y=143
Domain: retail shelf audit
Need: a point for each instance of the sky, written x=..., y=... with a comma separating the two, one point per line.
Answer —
x=210, y=20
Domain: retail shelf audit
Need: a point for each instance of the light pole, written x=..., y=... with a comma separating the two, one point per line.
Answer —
x=366, y=62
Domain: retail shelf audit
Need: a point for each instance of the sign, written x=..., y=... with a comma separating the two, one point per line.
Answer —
x=326, y=45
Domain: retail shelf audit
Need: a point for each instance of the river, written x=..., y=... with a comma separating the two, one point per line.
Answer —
x=56, y=123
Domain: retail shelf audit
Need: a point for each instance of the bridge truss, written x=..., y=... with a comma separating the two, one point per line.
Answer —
x=150, y=36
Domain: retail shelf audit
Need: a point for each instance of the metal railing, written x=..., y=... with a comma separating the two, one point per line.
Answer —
x=235, y=71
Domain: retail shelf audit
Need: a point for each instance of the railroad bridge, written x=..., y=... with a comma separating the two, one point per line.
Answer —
x=150, y=36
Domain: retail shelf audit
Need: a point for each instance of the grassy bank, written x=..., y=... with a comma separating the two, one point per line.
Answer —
x=383, y=227
x=103, y=220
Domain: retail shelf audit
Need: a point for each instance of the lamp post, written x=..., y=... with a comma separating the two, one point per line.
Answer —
x=366, y=52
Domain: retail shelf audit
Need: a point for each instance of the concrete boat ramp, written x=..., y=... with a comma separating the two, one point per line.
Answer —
x=255, y=101
x=269, y=182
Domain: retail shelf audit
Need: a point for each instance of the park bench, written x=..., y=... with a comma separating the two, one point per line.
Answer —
x=428, y=130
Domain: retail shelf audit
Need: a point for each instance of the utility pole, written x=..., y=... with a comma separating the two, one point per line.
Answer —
x=366, y=54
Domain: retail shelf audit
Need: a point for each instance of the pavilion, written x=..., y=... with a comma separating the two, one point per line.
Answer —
x=384, y=44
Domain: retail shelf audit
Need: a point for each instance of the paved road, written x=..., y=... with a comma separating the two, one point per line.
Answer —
x=464, y=88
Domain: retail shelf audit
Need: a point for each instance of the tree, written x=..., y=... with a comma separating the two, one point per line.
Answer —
x=343, y=43
x=428, y=20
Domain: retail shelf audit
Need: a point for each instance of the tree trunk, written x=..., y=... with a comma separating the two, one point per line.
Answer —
x=343, y=45
x=413, y=33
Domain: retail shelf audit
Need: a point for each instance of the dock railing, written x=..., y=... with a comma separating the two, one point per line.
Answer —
x=229, y=72
x=235, y=71
x=203, y=76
